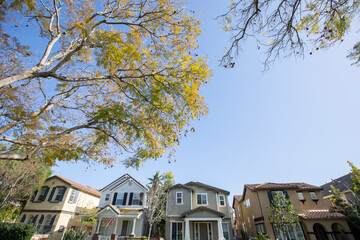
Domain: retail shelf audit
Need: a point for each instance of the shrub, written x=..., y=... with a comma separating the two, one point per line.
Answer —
x=75, y=235
x=18, y=231
x=262, y=236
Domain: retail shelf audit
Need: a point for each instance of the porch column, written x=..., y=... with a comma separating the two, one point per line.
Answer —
x=220, y=230
x=116, y=223
x=187, y=229
x=98, y=227
x=133, y=227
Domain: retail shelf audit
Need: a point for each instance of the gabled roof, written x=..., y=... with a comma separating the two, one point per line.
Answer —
x=120, y=211
x=202, y=185
x=198, y=209
x=283, y=186
x=121, y=180
x=342, y=183
x=77, y=186
x=178, y=186
x=320, y=214
x=237, y=198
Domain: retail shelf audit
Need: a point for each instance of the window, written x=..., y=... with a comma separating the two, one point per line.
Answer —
x=176, y=231
x=179, y=198
x=42, y=195
x=274, y=194
x=301, y=196
x=107, y=197
x=38, y=226
x=126, y=228
x=313, y=196
x=247, y=203
x=23, y=218
x=225, y=227
x=136, y=199
x=201, y=199
x=121, y=199
x=293, y=232
x=260, y=228
x=221, y=200
x=74, y=196
x=59, y=194
x=48, y=223
x=31, y=219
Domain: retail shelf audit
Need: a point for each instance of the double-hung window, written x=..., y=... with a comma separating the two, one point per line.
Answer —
x=222, y=200
x=121, y=199
x=107, y=197
x=201, y=199
x=136, y=199
x=42, y=195
x=179, y=198
x=74, y=196
x=247, y=203
x=59, y=193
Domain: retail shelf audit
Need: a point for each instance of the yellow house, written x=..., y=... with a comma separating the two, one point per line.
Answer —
x=56, y=207
x=316, y=221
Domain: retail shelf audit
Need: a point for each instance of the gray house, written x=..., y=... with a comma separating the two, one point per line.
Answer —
x=196, y=211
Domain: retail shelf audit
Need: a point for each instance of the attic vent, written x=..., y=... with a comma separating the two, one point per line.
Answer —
x=130, y=183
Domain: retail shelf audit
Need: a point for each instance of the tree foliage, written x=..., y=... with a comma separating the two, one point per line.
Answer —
x=282, y=214
x=18, y=181
x=351, y=209
x=102, y=79
x=283, y=28
x=156, y=198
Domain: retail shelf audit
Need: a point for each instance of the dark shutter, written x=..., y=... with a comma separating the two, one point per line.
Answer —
x=63, y=193
x=141, y=198
x=34, y=195
x=45, y=194
x=131, y=198
x=41, y=219
x=114, y=199
x=52, y=222
x=23, y=218
x=34, y=219
x=270, y=196
x=286, y=194
x=125, y=197
x=52, y=193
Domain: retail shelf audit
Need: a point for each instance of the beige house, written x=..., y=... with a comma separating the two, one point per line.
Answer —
x=316, y=221
x=57, y=206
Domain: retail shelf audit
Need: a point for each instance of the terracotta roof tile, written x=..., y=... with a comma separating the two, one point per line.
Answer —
x=320, y=214
x=282, y=186
x=78, y=186
x=238, y=198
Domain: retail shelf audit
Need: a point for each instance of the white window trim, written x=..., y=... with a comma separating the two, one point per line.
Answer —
x=302, y=196
x=227, y=228
x=245, y=203
x=182, y=198
x=109, y=197
x=183, y=228
x=220, y=201
x=207, y=200
x=316, y=198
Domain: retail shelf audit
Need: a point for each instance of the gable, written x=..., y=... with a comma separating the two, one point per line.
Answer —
x=202, y=212
x=123, y=181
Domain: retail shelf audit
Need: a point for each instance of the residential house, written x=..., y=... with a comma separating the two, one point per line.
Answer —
x=197, y=211
x=57, y=206
x=343, y=184
x=315, y=220
x=121, y=206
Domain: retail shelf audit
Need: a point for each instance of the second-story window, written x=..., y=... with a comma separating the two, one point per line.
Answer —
x=222, y=200
x=136, y=199
x=313, y=196
x=201, y=199
x=247, y=203
x=59, y=193
x=43, y=193
x=179, y=198
x=74, y=196
x=301, y=196
x=121, y=199
x=107, y=197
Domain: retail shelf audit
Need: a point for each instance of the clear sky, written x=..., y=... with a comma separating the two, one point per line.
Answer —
x=297, y=122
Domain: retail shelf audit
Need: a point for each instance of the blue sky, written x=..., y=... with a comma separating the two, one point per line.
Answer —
x=297, y=122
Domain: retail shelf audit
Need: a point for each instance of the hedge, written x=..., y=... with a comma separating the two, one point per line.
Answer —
x=18, y=231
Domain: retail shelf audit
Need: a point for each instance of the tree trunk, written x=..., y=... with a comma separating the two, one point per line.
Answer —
x=150, y=227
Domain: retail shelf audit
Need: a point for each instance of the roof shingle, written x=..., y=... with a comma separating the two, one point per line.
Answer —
x=320, y=214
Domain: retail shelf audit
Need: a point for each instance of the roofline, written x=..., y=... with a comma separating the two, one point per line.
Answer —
x=82, y=190
x=144, y=187
x=203, y=185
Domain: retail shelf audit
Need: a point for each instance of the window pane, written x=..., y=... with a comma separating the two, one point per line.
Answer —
x=226, y=231
x=301, y=197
